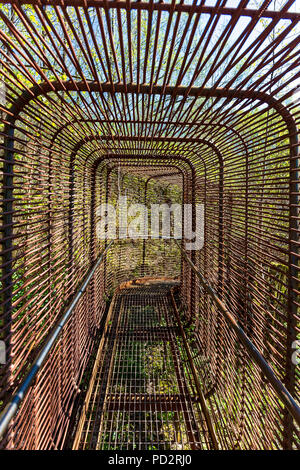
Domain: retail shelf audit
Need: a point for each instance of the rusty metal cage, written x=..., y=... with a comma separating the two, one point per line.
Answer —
x=154, y=99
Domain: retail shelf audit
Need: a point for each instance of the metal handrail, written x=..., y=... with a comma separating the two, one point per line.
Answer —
x=13, y=405
x=278, y=386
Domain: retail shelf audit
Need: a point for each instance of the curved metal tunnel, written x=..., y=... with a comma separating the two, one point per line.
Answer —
x=158, y=102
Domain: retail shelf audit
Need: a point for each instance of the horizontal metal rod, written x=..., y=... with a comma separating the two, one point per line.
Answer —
x=12, y=407
x=254, y=353
x=161, y=6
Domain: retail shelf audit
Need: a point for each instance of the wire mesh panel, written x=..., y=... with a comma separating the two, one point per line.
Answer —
x=142, y=395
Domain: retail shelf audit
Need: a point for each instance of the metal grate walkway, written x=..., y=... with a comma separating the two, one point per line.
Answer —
x=142, y=394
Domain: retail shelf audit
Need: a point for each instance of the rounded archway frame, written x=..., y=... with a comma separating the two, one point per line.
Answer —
x=173, y=160
x=56, y=86
x=128, y=164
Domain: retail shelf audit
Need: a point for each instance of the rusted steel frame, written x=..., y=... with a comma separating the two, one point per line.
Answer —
x=145, y=203
x=146, y=184
x=37, y=39
x=150, y=106
x=293, y=284
x=22, y=39
x=45, y=87
x=71, y=216
x=145, y=200
x=115, y=405
x=106, y=359
x=177, y=89
x=238, y=94
x=68, y=47
x=254, y=353
x=185, y=378
x=84, y=46
x=246, y=274
x=189, y=30
x=221, y=205
x=182, y=381
x=154, y=166
x=91, y=30
x=144, y=241
x=154, y=139
x=294, y=236
x=171, y=123
x=12, y=407
x=101, y=410
x=93, y=213
x=183, y=390
x=95, y=166
x=162, y=153
x=93, y=376
x=246, y=153
x=7, y=243
x=249, y=94
x=152, y=157
x=71, y=212
x=110, y=39
x=235, y=19
x=288, y=56
x=167, y=403
x=206, y=37
x=179, y=7
x=196, y=141
x=204, y=407
x=148, y=38
x=155, y=158
x=241, y=39
x=167, y=54
x=220, y=220
x=76, y=149
x=25, y=20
